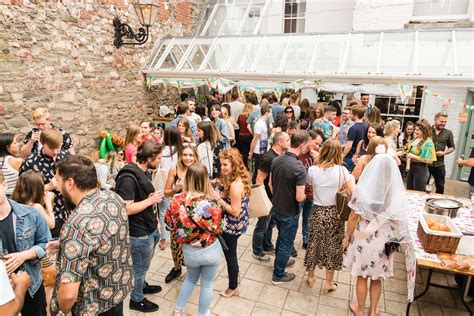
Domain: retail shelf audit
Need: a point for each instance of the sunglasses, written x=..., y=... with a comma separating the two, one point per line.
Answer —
x=120, y=154
x=289, y=112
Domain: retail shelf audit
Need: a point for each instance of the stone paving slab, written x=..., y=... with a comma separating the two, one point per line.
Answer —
x=258, y=296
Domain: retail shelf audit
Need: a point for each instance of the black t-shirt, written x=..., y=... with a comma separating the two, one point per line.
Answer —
x=7, y=234
x=287, y=174
x=145, y=222
x=266, y=166
x=471, y=175
x=355, y=134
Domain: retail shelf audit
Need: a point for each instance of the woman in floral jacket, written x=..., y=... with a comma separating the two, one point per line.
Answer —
x=196, y=220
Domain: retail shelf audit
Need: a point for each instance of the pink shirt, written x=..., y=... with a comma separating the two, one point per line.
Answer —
x=130, y=151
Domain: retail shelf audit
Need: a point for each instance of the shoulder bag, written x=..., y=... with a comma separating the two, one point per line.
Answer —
x=342, y=199
x=259, y=203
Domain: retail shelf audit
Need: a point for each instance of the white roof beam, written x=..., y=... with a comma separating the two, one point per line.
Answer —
x=455, y=52
x=165, y=54
x=246, y=16
x=343, y=63
x=210, y=19
x=262, y=14
x=379, y=57
x=313, y=56
x=285, y=55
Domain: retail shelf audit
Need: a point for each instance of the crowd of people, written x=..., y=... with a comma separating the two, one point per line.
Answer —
x=78, y=237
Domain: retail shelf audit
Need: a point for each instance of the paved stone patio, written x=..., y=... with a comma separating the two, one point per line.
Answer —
x=259, y=297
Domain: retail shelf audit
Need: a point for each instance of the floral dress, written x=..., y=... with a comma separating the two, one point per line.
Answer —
x=366, y=257
x=426, y=151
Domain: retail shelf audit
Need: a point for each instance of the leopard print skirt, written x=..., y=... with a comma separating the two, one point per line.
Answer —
x=176, y=250
x=326, y=232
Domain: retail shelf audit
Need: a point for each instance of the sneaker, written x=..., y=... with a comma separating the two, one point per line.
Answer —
x=174, y=273
x=291, y=262
x=151, y=289
x=286, y=278
x=262, y=257
x=269, y=252
x=145, y=306
x=305, y=245
x=294, y=253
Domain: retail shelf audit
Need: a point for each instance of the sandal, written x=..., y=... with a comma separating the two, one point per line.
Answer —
x=331, y=289
x=230, y=293
x=311, y=281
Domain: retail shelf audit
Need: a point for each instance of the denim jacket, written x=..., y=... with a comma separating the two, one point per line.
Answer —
x=31, y=232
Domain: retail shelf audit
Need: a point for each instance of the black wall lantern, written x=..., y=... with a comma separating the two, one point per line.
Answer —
x=146, y=13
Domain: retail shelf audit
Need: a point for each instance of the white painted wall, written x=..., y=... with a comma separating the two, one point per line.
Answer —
x=432, y=105
x=326, y=16
x=377, y=15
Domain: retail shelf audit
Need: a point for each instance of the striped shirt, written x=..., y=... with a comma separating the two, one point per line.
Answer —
x=9, y=173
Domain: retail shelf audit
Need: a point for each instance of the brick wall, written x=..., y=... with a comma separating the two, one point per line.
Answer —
x=61, y=56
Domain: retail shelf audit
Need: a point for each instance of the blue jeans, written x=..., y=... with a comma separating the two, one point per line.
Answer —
x=200, y=263
x=262, y=235
x=143, y=249
x=163, y=206
x=287, y=225
x=349, y=164
x=307, y=209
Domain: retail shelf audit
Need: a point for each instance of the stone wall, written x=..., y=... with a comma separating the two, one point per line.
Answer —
x=61, y=56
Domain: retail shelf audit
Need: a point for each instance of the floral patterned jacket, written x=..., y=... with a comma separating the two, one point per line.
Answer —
x=205, y=211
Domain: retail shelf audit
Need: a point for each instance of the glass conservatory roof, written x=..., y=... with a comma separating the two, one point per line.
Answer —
x=415, y=56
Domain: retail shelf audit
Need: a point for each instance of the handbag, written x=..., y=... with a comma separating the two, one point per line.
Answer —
x=259, y=204
x=342, y=200
x=219, y=237
x=159, y=179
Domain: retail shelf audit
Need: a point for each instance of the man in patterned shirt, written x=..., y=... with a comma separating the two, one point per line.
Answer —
x=44, y=161
x=94, y=265
x=42, y=121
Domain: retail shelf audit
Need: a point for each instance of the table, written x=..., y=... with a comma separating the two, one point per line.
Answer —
x=464, y=221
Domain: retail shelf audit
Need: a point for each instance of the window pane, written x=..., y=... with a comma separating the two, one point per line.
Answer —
x=300, y=53
x=217, y=21
x=435, y=52
x=300, y=25
x=220, y=54
x=363, y=53
x=162, y=49
x=464, y=52
x=288, y=26
x=197, y=54
x=245, y=54
x=272, y=54
x=330, y=53
x=397, y=53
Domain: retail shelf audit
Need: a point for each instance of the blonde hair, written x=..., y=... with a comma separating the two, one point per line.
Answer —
x=248, y=108
x=330, y=154
x=197, y=180
x=374, y=142
x=187, y=126
x=390, y=127
x=238, y=171
x=41, y=113
x=285, y=102
x=51, y=137
x=132, y=131
x=180, y=155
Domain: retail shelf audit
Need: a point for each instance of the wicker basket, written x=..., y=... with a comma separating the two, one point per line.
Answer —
x=434, y=241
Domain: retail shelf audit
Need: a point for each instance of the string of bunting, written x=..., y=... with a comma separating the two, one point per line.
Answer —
x=226, y=85
x=447, y=100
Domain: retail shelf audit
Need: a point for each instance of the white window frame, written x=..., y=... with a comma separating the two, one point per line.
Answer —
x=293, y=18
x=443, y=17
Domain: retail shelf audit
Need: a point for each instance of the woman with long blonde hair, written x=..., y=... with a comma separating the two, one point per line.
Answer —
x=234, y=200
x=188, y=156
x=326, y=229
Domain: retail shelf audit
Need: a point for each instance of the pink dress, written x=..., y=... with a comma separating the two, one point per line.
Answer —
x=366, y=257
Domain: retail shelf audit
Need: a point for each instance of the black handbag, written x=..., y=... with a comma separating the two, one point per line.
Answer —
x=342, y=200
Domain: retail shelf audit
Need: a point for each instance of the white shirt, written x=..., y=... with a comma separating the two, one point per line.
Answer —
x=196, y=117
x=262, y=130
x=297, y=110
x=236, y=109
x=168, y=162
x=206, y=155
x=6, y=290
x=326, y=183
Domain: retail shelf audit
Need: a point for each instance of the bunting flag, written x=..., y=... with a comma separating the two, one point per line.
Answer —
x=447, y=100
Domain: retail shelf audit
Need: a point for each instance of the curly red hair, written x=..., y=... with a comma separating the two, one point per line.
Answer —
x=238, y=171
